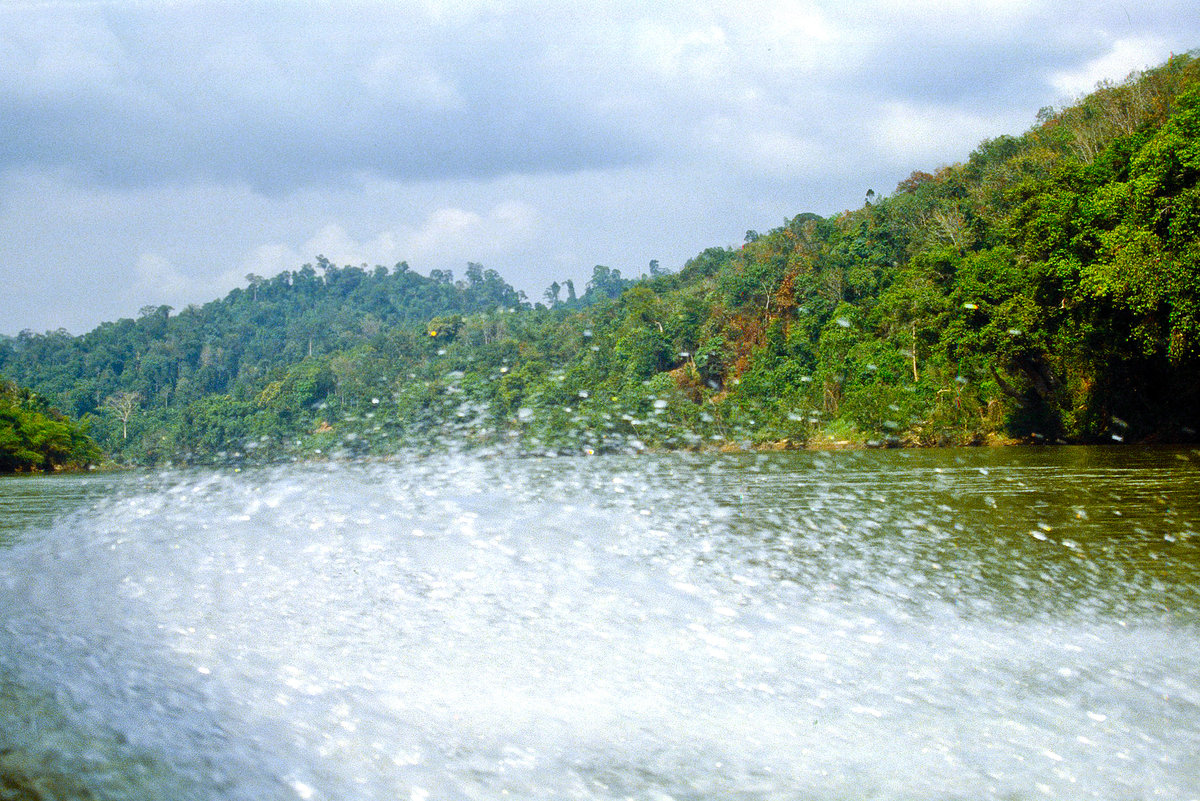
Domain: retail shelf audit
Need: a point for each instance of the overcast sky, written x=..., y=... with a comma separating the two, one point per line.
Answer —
x=157, y=152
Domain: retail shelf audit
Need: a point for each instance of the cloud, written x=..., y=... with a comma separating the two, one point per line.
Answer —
x=447, y=238
x=931, y=135
x=280, y=97
x=157, y=278
x=1124, y=56
x=157, y=281
x=285, y=97
x=702, y=54
x=331, y=241
x=175, y=147
x=470, y=235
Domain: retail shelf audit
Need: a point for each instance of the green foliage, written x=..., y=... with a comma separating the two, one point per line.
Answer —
x=35, y=436
x=1047, y=287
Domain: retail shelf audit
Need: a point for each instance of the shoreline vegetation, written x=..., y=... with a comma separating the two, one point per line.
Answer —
x=34, y=436
x=1045, y=290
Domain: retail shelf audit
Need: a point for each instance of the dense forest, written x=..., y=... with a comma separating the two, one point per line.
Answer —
x=34, y=436
x=1046, y=289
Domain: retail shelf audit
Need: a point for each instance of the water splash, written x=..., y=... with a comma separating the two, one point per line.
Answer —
x=687, y=628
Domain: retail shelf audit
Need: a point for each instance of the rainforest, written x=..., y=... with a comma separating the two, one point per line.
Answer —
x=1046, y=289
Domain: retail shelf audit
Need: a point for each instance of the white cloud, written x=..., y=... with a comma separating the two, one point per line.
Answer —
x=398, y=74
x=1125, y=56
x=762, y=149
x=156, y=277
x=447, y=237
x=333, y=242
x=698, y=54
x=460, y=12
x=338, y=246
x=990, y=12
x=471, y=236
x=156, y=145
x=272, y=259
x=157, y=281
x=49, y=55
x=929, y=135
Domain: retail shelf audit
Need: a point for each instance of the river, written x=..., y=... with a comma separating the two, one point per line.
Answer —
x=945, y=624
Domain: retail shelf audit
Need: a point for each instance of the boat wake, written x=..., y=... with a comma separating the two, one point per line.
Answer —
x=459, y=628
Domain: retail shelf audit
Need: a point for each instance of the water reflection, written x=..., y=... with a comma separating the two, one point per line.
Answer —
x=1046, y=531
x=31, y=501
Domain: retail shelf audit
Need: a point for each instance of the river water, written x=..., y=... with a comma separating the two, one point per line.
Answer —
x=957, y=624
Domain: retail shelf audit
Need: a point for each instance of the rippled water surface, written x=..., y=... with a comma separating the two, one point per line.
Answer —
x=977, y=624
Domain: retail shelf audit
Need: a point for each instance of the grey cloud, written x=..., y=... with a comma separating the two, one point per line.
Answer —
x=180, y=139
x=224, y=93
x=970, y=55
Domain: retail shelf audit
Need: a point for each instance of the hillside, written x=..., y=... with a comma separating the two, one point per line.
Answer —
x=1046, y=289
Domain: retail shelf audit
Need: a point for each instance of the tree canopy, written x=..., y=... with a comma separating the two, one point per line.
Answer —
x=1047, y=288
x=34, y=436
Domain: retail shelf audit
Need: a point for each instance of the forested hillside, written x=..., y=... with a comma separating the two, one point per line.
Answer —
x=1047, y=288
